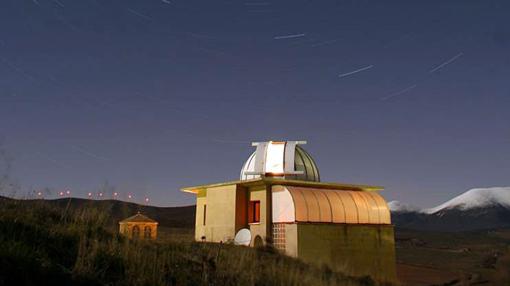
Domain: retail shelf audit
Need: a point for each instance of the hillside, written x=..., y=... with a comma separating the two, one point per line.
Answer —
x=45, y=231
x=49, y=243
x=176, y=217
x=480, y=198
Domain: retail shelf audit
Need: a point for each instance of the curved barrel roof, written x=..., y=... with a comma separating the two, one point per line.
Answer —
x=303, y=204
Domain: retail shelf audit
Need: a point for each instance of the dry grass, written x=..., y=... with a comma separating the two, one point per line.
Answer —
x=40, y=244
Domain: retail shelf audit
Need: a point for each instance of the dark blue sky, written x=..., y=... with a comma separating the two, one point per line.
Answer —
x=155, y=95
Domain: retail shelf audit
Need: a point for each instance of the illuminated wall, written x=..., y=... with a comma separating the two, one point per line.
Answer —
x=139, y=230
x=357, y=250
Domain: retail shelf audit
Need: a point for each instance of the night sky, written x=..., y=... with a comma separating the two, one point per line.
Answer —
x=149, y=96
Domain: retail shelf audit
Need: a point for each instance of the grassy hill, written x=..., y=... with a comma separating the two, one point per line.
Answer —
x=72, y=242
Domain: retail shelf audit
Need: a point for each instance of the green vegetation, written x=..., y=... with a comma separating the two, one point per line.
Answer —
x=43, y=244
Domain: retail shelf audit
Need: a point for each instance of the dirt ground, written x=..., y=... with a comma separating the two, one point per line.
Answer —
x=424, y=276
x=468, y=258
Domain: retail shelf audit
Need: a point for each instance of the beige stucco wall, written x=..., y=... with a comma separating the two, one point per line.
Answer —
x=291, y=239
x=199, y=219
x=353, y=249
x=262, y=228
x=227, y=213
x=220, y=213
x=123, y=229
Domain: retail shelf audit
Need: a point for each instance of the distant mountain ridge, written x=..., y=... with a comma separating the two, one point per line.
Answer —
x=480, y=208
x=178, y=217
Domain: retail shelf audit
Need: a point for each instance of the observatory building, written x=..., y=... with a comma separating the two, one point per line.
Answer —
x=280, y=200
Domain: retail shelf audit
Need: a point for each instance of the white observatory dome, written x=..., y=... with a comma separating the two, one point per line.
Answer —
x=284, y=160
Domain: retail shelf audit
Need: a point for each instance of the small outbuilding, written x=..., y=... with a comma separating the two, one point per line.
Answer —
x=139, y=226
x=279, y=200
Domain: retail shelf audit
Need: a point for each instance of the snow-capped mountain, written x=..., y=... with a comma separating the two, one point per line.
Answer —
x=481, y=208
x=476, y=198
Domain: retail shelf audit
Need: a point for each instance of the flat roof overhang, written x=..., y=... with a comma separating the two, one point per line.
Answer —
x=268, y=181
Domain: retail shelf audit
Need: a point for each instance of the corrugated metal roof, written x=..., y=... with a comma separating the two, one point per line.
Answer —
x=304, y=204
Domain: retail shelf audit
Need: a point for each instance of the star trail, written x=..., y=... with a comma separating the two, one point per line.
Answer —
x=154, y=95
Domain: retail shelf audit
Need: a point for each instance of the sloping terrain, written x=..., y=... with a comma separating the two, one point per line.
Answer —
x=57, y=243
x=424, y=257
x=476, y=199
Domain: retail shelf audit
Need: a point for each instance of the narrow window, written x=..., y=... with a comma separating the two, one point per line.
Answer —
x=254, y=212
x=136, y=231
x=147, y=232
x=205, y=212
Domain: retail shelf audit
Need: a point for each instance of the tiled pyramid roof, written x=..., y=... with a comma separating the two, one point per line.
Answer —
x=138, y=218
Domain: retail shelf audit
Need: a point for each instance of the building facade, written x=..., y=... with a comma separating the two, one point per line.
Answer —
x=139, y=226
x=280, y=200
